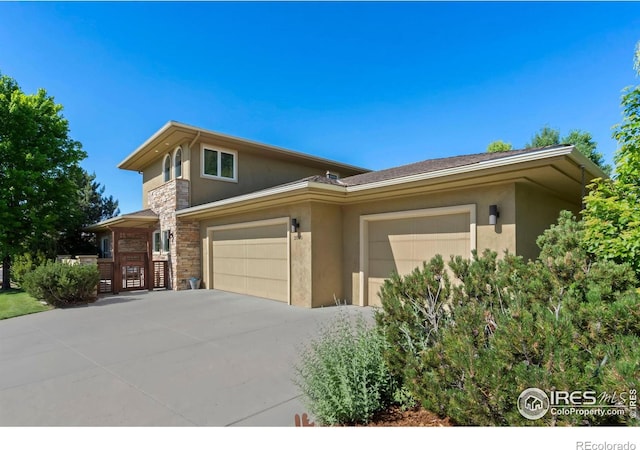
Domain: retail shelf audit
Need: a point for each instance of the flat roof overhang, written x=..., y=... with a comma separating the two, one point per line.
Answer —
x=561, y=172
x=173, y=134
x=125, y=221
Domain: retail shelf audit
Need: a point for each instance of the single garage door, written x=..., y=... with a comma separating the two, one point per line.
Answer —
x=252, y=260
x=403, y=244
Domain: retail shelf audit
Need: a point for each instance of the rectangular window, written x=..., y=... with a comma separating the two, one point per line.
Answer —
x=105, y=247
x=210, y=162
x=156, y=242
x=219, y=164
x=226, y=165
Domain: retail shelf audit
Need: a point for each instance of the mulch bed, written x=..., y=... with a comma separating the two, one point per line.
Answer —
x=392, y=417
x=417, y=417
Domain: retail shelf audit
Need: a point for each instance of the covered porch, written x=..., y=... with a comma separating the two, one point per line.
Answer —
x=126, y=260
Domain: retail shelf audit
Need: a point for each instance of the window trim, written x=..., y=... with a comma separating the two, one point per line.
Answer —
x=177, y=151
x=213, y=148
x=166, y=174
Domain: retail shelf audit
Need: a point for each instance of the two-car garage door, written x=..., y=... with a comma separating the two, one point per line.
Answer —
x=252, y=259
x=402, y=241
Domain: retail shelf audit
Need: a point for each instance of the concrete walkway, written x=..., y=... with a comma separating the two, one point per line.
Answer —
x=189, y=358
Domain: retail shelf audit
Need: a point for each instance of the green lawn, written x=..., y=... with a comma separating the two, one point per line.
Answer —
x=15, y=303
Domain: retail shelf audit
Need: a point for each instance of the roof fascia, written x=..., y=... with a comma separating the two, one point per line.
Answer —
x=216, y=135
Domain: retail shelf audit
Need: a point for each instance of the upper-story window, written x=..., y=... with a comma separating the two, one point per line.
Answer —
x=177, y=163
x=219, y=164
x=167, y=168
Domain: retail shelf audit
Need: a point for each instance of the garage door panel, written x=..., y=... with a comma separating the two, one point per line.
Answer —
x=378, y=231
x=404, y=244
x=381, y=267
x=269, y=232
x=252, y=260
x=425, y=250
x=261, y=287
x=228, y=249
x=265, y=250
x=228, y=282
x=230, y=266
x=266, y=268
x=374, y=286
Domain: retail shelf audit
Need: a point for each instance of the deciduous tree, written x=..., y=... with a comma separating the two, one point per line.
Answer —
x=38, y=163
x=499, y=146
x=612, y=211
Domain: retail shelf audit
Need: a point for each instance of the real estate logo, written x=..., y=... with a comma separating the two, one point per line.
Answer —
x=533, y=403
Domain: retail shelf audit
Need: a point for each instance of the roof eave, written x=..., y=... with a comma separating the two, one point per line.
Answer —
x=566, y=151
x=129, y=163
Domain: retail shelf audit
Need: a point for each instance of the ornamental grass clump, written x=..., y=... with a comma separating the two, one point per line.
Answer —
x=342, y=374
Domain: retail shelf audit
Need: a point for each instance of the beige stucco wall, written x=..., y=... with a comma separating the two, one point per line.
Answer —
x=152, y=178
x=536, y=210
x=327, y=248
x=499, y=237
x=254, y=173
x=325, y=254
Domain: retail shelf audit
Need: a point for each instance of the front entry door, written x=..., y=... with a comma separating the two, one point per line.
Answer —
x=133, y=266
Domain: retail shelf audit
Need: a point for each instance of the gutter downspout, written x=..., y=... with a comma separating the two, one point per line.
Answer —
x=194, y=140
x=190, y=159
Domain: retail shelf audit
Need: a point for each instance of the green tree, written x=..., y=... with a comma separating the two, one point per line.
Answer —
x=582, y=140
x=38, y=163
x=612, y=214
x=91, y=206
x=545, y=137
x=499, y=146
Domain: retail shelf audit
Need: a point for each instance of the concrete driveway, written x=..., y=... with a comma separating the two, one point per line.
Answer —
x=157, y=358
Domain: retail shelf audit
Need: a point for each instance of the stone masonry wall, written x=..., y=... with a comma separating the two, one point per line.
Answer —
x=184, y=248
x=188, y=251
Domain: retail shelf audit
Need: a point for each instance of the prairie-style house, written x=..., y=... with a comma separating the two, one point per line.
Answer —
x=251, y=218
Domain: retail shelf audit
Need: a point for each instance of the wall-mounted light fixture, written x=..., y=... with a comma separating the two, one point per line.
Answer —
x=493, y=214
x=295, y=225
x=170, y=235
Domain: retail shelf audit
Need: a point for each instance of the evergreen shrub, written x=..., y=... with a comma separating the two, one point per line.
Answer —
x=61, y=284
x=567, y=321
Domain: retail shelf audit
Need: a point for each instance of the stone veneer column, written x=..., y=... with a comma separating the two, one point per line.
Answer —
x=184, y=248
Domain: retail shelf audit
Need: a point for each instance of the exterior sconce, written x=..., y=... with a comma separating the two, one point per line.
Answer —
x=170, y=235
x=493, y=214
x=295, y=225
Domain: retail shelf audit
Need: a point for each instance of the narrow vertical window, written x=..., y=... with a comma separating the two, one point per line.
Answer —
x=157, y=241
x=177, y=164
x=167, y=168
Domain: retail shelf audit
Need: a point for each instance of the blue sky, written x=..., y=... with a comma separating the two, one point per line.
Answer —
x=370, y=84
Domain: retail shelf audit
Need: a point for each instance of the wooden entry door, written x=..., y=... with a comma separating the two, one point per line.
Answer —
x=133, y=268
